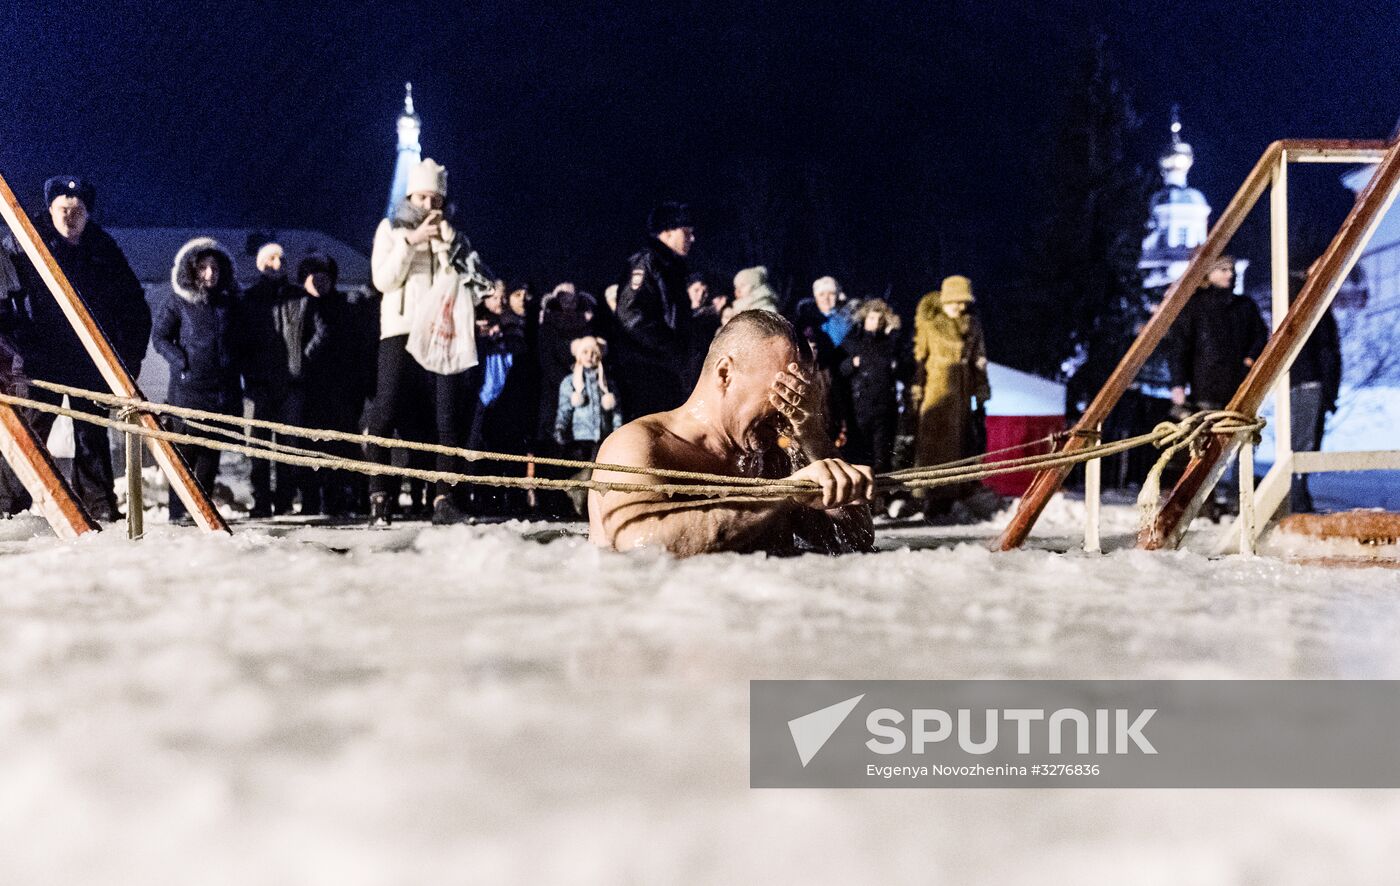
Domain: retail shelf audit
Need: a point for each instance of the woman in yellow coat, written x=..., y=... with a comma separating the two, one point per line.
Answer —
x=950, y=368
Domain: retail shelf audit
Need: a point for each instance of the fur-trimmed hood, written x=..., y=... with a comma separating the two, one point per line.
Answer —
x=182, y=274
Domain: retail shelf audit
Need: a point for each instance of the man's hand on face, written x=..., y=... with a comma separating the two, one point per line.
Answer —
x=800, y=400
x=841, y=484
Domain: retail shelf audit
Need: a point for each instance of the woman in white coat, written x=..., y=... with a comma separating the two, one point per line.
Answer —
x=413, y=250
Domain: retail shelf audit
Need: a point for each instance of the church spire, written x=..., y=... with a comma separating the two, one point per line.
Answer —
x=1177, y=162
x=410, y=151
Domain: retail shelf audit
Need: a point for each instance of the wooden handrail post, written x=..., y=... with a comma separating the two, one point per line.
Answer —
x=182, y=482
x=135, y=490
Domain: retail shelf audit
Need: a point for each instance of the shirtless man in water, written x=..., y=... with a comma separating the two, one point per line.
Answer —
x=752, y=390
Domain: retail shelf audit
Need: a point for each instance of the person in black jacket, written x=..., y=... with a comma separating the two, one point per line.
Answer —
x=565, y=315
x=1314, y=381
x=704, y=325
x=873, y=360
x=52, y=351
x=271, y=321
x=498, y=422
x=653, y=316
x=194, y=332
x=1215, y=341
x=335, y=381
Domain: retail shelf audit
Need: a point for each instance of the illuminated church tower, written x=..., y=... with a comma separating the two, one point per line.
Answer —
x=1180, y=220
x=410, y=151
x=1180, y=217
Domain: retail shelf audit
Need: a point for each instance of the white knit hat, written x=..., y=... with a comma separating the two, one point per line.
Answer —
x=428, y=177
x=265, y=254
x=752, y=277
x=825, y=284
x=579, y=345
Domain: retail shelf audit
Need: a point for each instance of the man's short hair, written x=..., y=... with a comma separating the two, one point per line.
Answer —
x=749, y=328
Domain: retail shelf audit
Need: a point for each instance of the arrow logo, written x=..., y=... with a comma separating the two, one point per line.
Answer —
x=811, y=731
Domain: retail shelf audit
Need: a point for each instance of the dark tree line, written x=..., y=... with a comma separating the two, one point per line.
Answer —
x=1081, y=297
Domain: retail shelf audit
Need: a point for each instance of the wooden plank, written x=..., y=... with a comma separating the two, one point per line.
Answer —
x=1203, y=471
x=1048, y=481
x=1360, y=460
x=53, y=498
x=1308, y=151
x=1366, y=526
x=182, y=482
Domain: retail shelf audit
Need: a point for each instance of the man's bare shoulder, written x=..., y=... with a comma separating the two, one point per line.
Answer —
x=647, y=442
x=635, y=444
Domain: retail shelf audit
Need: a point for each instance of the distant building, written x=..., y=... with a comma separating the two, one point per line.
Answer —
x=1368, y=304
x=1180, y=220
x=410, y=152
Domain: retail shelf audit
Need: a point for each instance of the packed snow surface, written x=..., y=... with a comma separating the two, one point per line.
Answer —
x=508, y=704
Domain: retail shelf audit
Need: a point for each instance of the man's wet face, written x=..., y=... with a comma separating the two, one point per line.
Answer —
x=759, y=423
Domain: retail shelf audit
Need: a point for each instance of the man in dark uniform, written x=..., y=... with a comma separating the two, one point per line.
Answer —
x=99, y=272
x=653, y=316
x=1216, y=339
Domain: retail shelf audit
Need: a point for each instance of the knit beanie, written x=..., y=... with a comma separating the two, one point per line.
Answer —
x=753, y=277
x=427, y=177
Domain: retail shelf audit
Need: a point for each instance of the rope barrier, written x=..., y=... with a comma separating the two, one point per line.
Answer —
x=387, y=442
x=1170, y=437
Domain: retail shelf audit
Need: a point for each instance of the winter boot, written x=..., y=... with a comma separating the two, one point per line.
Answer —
x=379, y=510
x=445, y=513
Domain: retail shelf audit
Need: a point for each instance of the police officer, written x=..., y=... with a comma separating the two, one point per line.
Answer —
x=95, y=265
x=653, y=315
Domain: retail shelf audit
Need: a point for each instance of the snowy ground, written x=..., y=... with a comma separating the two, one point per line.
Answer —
x=507, y=704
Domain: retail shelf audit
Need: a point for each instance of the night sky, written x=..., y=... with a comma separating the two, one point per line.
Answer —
x=917, y=131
